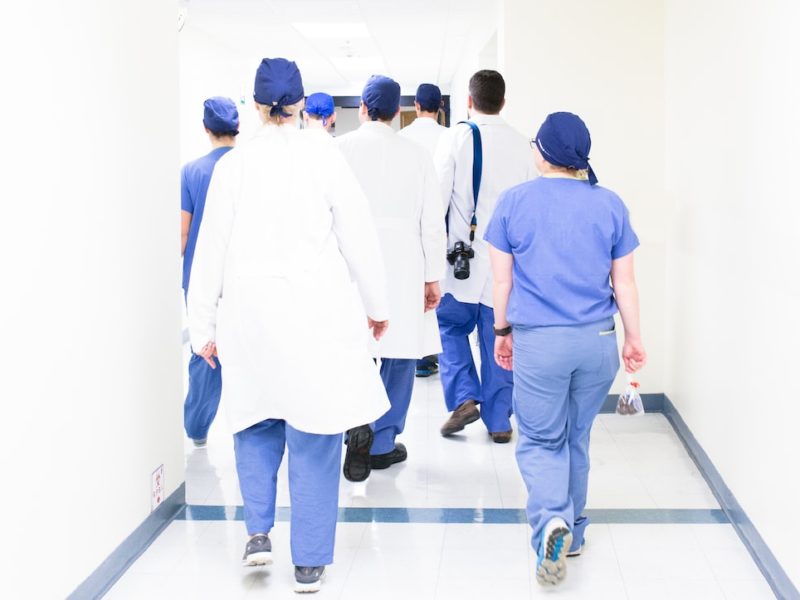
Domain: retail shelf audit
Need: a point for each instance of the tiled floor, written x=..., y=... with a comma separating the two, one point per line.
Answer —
x=637, y=462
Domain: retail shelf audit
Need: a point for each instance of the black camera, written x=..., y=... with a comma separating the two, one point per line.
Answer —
x=459, y=257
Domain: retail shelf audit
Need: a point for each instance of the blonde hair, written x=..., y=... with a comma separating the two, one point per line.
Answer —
x=582, y=174
x=292, y=110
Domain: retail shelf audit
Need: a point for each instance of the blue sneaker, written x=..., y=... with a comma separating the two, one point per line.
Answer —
x=551, y=566
x=426, y=368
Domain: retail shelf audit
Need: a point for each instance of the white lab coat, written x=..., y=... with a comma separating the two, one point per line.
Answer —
x=400, y=182
x=286, y=238
x=426, y=132
x=507, y=161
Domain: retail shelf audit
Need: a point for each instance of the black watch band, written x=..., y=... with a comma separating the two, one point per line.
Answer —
x=502, y=332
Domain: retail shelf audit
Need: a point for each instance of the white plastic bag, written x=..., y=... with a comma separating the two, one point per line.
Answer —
x=630, y=402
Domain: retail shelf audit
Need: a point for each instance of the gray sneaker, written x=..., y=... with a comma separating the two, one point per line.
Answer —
x=308, y=579
x=258, y=551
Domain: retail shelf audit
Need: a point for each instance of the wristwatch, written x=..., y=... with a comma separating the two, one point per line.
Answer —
x=502, y=332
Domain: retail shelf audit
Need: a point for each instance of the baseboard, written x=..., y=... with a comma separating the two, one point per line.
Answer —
x=106, y=575
x=772, y=570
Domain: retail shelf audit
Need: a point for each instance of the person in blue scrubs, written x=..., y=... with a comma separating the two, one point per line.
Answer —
x=562, y=261
x=221, y=122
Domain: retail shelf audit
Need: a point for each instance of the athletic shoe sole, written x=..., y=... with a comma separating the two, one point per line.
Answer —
x=309, y=588
x=258, y=559
x=553, y=568
x=356, y=459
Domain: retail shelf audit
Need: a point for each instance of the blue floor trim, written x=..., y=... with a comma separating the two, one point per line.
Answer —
x=766, y=561
x=113, y=567
x=492, y=516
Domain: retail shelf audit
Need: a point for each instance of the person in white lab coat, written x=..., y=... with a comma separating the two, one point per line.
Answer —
x=401, y=185
x=279, y=250
x=426, y=131
x=467, y=303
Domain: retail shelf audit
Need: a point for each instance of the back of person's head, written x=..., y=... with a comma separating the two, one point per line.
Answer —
x=220, y=117
x=381, y=96
x=278, y=90
x=564, y=141
x=487, y=89
x=320, y=107
x=429, y=97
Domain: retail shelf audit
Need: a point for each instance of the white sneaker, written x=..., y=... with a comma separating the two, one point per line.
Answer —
x=551, y=566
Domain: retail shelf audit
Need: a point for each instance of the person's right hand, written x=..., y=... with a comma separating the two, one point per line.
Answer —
x=633, y=355
x=378, y=327
x=208, y=352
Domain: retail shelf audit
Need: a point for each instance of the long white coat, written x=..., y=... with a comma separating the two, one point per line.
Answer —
x=507, y=161
x=285, y=234
x=400, y=182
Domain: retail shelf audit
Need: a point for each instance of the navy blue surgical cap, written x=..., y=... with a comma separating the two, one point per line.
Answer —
x=429, y=97
x=220, y=115
x=278, y=84
x=564, y=140
x=382, y=97
x=320, y=104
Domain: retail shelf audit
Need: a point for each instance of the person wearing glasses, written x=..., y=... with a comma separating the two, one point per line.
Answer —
x=282, y=257
x=561, y=249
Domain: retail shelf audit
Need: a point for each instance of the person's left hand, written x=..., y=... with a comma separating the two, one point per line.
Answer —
x=208, y=352
x=504, y=350
x=433, y=295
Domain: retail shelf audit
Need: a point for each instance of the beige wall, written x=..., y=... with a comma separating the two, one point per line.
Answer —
x=90, y=307
x=733, y=279
x=603, y=61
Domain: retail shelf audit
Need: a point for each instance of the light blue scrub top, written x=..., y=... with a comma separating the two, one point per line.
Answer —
x=563, y=234
x=195, y=177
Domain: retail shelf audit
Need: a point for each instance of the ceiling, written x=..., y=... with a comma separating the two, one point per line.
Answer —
x=338, y=44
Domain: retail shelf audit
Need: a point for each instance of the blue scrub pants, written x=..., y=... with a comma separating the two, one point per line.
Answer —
x=202, y=399
x=562, y=375
x=398, y=379
x=314, y=465
x=457, y=369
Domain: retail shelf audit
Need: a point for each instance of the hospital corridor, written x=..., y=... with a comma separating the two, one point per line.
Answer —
x=400, y=300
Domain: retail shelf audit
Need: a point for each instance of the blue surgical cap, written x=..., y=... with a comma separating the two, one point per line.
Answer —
x=382, y=97
x=278, y=84
x=220, y=115
x=429, y=97
x=320, y=104
x=564, y=140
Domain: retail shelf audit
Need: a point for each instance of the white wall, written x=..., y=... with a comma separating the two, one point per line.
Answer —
x=89, y=310
x=603, y=61
x=733, y=92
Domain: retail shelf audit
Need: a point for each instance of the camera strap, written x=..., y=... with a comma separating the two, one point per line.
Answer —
x=477, y=169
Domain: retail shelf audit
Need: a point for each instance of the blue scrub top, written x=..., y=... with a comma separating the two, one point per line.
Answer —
x=563, y=234
x=195, y=177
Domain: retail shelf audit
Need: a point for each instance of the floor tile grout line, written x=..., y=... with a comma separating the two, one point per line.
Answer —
x=353, y=561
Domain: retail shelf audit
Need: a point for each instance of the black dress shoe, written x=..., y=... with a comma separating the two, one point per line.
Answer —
x=356, y=460
x=384, y=461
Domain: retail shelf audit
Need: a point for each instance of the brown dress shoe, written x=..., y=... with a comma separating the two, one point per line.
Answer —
x=501, y=437
x=461, y=417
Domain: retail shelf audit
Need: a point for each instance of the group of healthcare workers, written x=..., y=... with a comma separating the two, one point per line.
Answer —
x=292, y=275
